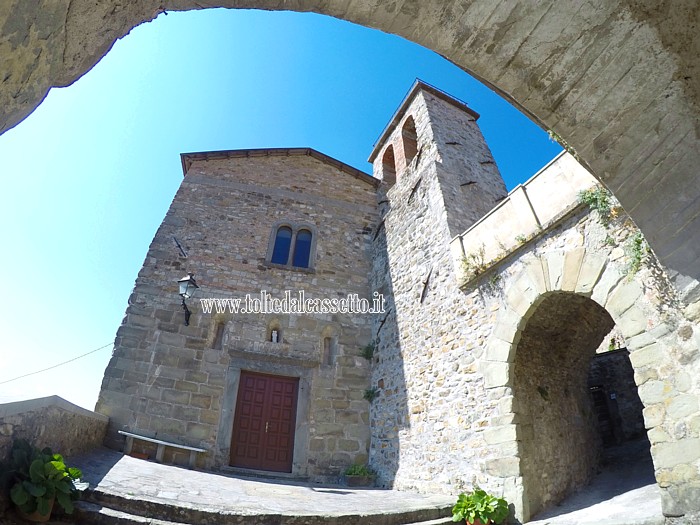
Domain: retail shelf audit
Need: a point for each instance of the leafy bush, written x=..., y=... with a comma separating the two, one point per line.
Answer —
x=37, y=477
x=598, y=199
x=359, y=470
x=480, y=505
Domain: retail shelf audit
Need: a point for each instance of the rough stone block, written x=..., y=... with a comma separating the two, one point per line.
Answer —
x=200, y=401
x=508, y=326
x=653, y=392
x=670, y=454
x=538, y=275
x=654, y=415
x=572, y=267
x=503, y=467
x=622, y=298
x=591, y=269
x=500, y=434
x=496, y=374
x=651, y=355
x=175, y=396
x=681, y=406
x=197, y=431
x=499, y=350
x=602, y=288
x=521, y=296
x=632, y=322
x=555, y=268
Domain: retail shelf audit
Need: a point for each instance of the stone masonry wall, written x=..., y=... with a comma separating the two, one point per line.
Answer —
x=613, y=371
x=49, y=422
x=180, y=382
x=431, y=406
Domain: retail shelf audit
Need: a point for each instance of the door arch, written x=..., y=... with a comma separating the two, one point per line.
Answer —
x=593, y=286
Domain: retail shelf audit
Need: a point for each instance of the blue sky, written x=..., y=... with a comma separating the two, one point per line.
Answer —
x=90, y=174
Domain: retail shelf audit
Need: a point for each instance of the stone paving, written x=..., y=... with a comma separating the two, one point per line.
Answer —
x=623, y=494
x=111, y=473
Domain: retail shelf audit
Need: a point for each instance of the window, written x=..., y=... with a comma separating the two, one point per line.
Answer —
x=302, y=249
x=283, y=241
x=410, y=140
x=389, y=166
x=292, y=245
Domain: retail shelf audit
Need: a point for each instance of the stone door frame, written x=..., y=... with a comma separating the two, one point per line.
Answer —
x=300, y=370
x=590, y=275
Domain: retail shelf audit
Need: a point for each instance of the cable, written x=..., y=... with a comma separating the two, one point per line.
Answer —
x=55, y=366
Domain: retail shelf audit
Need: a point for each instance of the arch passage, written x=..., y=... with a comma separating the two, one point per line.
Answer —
x=556, y=422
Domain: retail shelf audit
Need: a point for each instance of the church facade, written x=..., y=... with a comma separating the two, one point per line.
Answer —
x=449, y=324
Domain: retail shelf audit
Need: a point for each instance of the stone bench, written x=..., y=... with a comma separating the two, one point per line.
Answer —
x=130, y=436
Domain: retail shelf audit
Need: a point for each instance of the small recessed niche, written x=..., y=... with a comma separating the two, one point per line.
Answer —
x=329, y=346
x=274, y=332
x=218, y=342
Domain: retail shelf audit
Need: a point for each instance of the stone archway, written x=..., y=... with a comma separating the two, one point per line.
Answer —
x=559, y=445
x=588, y=275
x=618, y=80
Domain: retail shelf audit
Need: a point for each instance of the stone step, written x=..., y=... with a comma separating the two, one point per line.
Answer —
x=94, y=514
x=439, y=521
x=103, y=508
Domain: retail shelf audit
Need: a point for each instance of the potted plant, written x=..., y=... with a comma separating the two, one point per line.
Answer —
x=359, y=476
x=480, y=508
x=39, y=478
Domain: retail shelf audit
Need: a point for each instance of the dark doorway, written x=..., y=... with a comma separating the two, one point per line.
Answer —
x=264, y=423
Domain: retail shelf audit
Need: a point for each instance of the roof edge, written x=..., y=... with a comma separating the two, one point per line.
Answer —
x=418, y=84
x=186, y=159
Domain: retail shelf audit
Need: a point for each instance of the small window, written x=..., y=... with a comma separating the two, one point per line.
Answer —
x=283, y=242
x=302, y=249
x=410, y=140
x=389, y=166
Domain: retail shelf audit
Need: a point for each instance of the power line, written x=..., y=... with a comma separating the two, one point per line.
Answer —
x=56, y=366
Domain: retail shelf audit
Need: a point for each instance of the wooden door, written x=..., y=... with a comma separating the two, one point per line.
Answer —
x=264, y=422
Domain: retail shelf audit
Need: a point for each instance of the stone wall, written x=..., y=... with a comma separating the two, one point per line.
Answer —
x=181, y=382
x=613, y=372
x=49, y=422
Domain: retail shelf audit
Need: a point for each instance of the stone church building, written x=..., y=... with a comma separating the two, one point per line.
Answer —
x=475, y=368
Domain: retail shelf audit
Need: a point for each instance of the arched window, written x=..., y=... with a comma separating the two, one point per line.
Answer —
x=283, y=242
x=302, y=249
x=389, y=166
x=292, y=245
x=410, y=139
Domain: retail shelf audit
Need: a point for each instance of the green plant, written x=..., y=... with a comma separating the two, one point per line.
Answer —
x=371, y=394
x=479, y=505
x=367, y=351
x=636, y=250
x=598, y=199
x=38, y=477
x=359, y=470
x=521, y=238
x=556, y=138
x=612, y=345
x=473, y=263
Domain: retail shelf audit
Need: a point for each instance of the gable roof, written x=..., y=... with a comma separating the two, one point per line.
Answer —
x=417, y=86
x=187, y=159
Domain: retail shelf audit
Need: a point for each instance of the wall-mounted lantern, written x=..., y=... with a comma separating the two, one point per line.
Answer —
x=187, y=288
